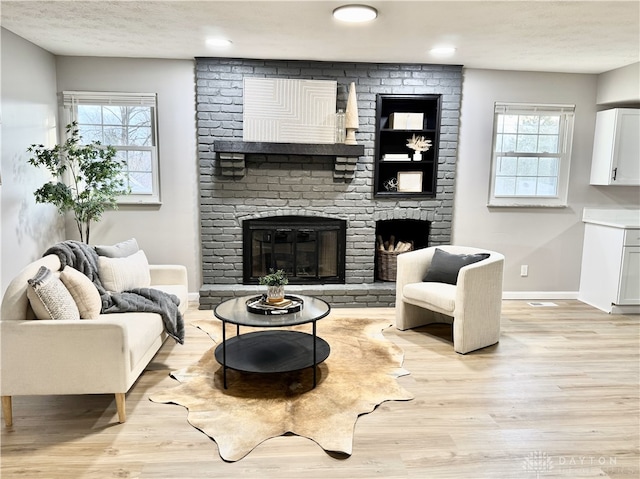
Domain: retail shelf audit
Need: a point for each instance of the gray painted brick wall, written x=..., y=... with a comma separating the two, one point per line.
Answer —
x=283, y=185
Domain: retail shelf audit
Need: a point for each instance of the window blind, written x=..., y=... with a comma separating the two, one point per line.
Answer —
x=524, y=108
x=71, y=98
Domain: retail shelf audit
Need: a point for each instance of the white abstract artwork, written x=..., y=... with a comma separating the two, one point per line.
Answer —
x=289, y=111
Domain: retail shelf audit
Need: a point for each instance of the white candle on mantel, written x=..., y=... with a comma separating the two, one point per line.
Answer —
x=351, y=116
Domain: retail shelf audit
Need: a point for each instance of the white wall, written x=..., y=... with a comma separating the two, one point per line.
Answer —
x=168, y=233
x=29, y=115
x=621, y=85
x=549, y=241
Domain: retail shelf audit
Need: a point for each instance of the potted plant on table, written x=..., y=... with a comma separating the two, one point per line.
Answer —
x=88, y=178
x=275, y=282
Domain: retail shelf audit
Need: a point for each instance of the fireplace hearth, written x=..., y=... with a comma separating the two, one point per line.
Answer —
x=311, y=250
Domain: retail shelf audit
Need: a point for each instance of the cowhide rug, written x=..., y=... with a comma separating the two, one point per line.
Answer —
x=359, y=374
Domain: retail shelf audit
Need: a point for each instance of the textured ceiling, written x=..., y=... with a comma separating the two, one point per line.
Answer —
x=559, y=36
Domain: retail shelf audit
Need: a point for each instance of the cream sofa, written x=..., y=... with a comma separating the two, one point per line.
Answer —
x=89, y=356
x=473, y=304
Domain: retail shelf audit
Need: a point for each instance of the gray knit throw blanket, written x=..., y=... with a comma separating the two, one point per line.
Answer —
x=84, y=258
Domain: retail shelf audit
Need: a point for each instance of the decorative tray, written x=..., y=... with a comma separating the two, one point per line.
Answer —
x=259, y=305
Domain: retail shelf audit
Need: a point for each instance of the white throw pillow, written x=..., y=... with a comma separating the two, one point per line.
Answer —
x=49, y=298
x=83, y=291
x=122, y=274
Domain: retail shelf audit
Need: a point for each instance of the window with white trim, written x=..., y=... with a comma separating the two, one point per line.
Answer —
x=531, y=154
x=126, y=121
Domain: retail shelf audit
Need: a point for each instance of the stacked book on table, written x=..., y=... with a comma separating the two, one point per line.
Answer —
x=283, y=303
x=395, y=157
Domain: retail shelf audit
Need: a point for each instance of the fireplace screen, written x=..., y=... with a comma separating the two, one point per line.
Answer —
x=310, y=250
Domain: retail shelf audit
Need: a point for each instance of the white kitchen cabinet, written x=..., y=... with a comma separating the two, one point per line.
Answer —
x=610, y=275
x=629, y=292
x=616, y=147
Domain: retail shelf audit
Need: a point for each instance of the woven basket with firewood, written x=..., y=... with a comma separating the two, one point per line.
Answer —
x=386, y=256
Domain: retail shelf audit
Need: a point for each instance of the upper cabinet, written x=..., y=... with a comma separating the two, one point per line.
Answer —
x=401, y=171
x=616, y=147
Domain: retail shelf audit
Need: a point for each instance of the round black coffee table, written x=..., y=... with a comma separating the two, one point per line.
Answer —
x=269, y=351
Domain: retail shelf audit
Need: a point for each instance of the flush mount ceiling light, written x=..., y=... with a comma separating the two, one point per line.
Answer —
x=355, y=13
x=218, y=42
x=442, y=51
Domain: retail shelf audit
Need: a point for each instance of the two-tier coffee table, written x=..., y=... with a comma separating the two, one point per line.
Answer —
x=271, y=351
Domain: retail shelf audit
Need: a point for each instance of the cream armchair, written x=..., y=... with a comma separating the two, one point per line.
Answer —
x=473, y=304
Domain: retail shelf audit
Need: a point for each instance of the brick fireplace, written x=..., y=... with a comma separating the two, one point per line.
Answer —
x=268, y=185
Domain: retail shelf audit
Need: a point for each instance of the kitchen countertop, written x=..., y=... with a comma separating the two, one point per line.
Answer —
x=615, y=218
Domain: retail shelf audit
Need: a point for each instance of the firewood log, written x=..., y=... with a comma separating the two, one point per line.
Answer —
x=404, y=248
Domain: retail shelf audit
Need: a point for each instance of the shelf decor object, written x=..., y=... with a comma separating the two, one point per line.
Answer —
x=396, y=157
x=351, y=120
x=406, y=121
x=391, y=184
x=340, y=126
x=410, y=181
x=418, y=144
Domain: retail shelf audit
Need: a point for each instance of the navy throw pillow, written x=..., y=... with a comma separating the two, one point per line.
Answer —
x=445, y=266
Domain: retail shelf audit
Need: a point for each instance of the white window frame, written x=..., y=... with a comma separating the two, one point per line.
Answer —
x=71, y=100
x=566, y=113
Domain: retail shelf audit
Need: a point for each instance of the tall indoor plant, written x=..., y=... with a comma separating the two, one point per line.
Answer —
x=88, y=178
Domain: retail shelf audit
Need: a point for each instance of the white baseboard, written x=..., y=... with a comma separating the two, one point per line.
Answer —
x=530, y=295
x=632, y=309
x=194, y=297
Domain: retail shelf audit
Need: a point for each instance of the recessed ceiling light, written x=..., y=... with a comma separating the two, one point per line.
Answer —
x=355, y=13
x=442, y=51
x=218, y=42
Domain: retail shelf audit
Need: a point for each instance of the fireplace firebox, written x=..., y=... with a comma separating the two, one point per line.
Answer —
x=311, y=250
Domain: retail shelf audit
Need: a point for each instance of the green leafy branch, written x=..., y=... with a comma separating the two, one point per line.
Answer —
x=274, y=278
x=94, y=178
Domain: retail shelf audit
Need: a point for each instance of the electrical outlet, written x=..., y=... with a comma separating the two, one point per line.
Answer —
x=524, y=270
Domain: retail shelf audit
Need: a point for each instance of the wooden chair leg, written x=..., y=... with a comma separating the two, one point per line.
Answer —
x=7, y=411
x=120, y=406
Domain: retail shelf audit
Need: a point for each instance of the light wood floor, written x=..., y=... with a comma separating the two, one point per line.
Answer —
x=558, y=397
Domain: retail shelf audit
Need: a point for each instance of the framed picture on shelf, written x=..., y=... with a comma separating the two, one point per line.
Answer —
x=410, y=181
